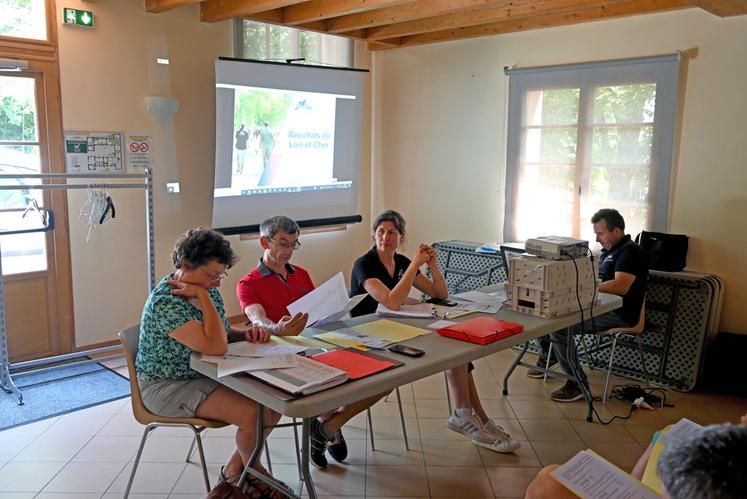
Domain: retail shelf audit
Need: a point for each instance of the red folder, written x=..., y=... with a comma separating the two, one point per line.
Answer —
x=357, y=365
x=481, y=330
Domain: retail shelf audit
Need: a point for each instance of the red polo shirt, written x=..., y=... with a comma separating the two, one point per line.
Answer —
x=270, y=290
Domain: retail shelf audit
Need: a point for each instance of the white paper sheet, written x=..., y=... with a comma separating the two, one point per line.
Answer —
x=590, y=476
x=231, y=364
x=440, y=324
x=271, y=349
x=681, y=429
x=342, y=314
x=419, y=310
x=329, y=298
x=483, y=297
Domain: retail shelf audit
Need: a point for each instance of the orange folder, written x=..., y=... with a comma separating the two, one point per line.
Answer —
x=357, y=365
x=481, y=330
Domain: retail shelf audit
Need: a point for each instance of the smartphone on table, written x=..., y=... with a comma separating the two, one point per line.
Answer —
x=405, y=350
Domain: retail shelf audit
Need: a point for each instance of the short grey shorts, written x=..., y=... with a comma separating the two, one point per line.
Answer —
x=176, y=398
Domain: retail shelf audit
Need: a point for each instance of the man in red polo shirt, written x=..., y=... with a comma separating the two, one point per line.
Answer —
x=264, y=294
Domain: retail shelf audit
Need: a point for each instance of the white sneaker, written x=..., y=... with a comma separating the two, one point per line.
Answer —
x=497, y=439
x=469, y=426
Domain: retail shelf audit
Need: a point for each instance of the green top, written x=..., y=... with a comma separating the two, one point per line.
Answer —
x=159, y=355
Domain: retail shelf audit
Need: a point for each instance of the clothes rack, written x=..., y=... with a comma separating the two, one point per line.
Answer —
x=6, y=380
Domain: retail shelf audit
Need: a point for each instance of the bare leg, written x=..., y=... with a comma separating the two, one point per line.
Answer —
x=459, y=379
x=229, y=406
x=475, y=399
x=333, y=421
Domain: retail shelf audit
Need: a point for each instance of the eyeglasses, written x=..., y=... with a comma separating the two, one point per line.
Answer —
x=287, y=245
x=215, y=277
x=383, y=232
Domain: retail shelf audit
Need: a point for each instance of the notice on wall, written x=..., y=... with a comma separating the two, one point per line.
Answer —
x=138, y=152
x=94, y=152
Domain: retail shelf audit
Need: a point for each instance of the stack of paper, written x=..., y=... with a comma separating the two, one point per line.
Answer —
x=231, y=364
x=420, y=310
x=308, y=376
x=376, y=334
x=270, y=349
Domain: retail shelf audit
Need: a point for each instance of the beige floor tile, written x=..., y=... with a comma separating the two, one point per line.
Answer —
x=282, y=450
x=597, y=432
x=67, y=495
x=498, y=408
x=489, y=390
x=217, y=450
x=156, y=478
x=525, y=391
x=393, y=453
x=168, y=449
x=436, y=429
x=432, y=408
x=53, y=448
x=31, y=429
x=578, y=410
x=622, y=454
x=12, y=444
x=726, y=413
x=451, y=452
x=388, y=481
x=17, y=495
x=182, y=496
x=557, y=452
x=338, y=480
x=429, y=391
x=79, y=423
x=32, y=476
x=556, y=430
x=391, y=428
x=459, y=481
x=511, y=482
x=108, y=449
x=484, y=378
x=642, y=432
x=536, y=409
x=390, y=409
x=125, y=425
x=85, y=477
x=191, y=480
x=110, y=407
x=524, y=456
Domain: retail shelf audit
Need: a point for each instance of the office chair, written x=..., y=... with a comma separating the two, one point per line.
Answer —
x=130, y=339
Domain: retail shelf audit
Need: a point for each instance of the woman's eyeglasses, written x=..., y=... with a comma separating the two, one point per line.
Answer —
x=213, y=276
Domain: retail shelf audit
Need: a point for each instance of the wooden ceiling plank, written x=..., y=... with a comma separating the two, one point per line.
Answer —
x=474, y=17
x=618, y=9
x=156, y=6
x=722, y=8
x=407, y=12
x=219, y=10
x=316, y=10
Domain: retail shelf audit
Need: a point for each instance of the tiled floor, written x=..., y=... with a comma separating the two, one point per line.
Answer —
x=88, y=454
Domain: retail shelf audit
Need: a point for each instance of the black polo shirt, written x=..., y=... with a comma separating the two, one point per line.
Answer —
x=369, y=266
x=626, y=256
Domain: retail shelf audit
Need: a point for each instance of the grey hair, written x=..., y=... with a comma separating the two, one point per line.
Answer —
x=271, y=226
x=391, y=216
x=709, y=464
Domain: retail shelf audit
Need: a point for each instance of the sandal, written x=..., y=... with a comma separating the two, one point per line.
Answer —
x=265, y=490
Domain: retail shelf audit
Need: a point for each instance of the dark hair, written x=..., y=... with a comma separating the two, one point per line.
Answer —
x=708, y=464
x=271, y=226
x=612, y=218
x=391, y=216
x=200, y=246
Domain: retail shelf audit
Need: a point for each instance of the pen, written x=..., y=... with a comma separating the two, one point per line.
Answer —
x=371, y=348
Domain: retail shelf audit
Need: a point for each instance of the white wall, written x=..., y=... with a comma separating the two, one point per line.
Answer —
x=438, y=143
x=105, y=74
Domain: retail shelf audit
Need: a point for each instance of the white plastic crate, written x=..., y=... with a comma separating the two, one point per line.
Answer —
x=533, y=272
x=548, y=304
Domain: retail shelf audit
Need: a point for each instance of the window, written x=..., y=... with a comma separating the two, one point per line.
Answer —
x=588, y=136
x=267, y=42
x=23, y=19
x=20, y=155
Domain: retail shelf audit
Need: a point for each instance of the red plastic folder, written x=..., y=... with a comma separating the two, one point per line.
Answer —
x=357, y=365
x=481, y=330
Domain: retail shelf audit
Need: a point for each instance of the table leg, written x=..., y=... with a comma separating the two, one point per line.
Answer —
x=305, y=444
x=515, y=363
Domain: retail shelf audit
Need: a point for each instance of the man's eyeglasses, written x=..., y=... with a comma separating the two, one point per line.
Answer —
x=287, y=245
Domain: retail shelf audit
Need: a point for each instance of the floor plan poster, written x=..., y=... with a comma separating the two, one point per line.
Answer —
x=89, y=152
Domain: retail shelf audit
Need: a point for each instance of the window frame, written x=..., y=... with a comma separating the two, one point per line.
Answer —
x=28, y=48
x=662, y=70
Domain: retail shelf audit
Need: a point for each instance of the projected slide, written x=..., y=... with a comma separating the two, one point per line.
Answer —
x=283, y=141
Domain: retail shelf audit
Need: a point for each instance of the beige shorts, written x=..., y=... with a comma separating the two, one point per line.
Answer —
x=176, y=398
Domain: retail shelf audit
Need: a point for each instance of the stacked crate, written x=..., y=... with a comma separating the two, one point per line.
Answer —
x=548, y=288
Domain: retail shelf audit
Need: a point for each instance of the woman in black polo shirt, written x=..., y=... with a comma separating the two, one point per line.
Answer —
x=388, y=277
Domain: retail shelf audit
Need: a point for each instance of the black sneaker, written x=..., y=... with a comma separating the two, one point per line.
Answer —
x=541, y=363
x=337, y=447
x=318, y=445
x=567, y=393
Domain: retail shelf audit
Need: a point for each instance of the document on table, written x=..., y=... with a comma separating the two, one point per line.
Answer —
x=269, y=349
x=589, y=475
x=440, y=324
x=300, y=341
x=473, y=306
x=352, y=337
x=390, y=330
x=231, y=364
x=308, y=376
x=482, y=296
x=342, y=314
x=419, y=310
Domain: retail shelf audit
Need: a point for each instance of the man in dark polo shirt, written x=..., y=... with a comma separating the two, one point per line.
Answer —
x=264, y=295
x=623, y=271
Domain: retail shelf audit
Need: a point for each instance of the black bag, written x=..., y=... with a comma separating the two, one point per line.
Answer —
x=666, y=252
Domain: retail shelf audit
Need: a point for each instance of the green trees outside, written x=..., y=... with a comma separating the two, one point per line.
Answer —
x=257, y=106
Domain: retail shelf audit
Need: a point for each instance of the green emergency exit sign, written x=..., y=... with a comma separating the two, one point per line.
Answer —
x=78, y=17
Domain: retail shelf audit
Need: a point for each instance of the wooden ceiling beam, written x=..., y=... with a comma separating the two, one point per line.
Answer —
x=474, y=17
x=407, y=12
x=156, y=6
x=618, y=9
x=722, y=8
x=316, y=10
x=219, y=10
